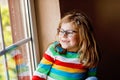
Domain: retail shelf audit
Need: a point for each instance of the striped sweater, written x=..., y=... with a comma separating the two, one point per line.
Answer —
x=55, y=66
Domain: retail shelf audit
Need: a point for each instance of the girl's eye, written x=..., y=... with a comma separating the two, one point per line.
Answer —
x=70, y=32
x=61, y=31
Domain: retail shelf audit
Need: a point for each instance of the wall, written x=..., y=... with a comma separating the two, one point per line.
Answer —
x=105, y=16
x=47, y=17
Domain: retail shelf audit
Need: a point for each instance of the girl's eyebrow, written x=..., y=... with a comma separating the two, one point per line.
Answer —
x=68, y=29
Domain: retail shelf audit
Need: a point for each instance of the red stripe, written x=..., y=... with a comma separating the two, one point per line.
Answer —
x=18, y=56
x=71, y=65
x=37, y=78
x=49, y=58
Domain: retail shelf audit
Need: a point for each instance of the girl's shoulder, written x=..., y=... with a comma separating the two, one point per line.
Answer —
x=53, y=44
x=51, y=48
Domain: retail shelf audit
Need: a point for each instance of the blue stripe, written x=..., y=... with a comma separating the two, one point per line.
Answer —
x=72, y=75
x=21, y=66
x=92, y=69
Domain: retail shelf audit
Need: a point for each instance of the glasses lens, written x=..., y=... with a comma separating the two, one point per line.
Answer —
x=69, y=33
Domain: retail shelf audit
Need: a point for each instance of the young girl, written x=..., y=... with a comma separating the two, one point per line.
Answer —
x=74, y=56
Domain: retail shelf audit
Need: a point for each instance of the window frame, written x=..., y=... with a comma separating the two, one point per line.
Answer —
x=31, y=22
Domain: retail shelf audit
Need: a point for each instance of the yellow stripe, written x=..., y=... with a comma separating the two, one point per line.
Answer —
x=19, y=61
x=45, y=61
x=67, y=69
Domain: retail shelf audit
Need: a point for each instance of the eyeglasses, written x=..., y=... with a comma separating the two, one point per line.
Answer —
x=69, y=33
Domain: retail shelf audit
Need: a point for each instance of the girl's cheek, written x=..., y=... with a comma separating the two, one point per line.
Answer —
x=75, y=40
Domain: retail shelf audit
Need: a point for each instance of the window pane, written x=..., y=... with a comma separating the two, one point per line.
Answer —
x=5, y=17
x=13, y=16
x=2, y=68
x=16, y=27
x=18, y=20
x=11, y=67
x=0, y=34
x=18, y=63
x=21, y=60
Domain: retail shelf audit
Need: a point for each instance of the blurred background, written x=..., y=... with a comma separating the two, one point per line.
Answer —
x=37, y=20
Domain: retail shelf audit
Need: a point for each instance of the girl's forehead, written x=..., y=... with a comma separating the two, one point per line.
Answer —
x=69, y=25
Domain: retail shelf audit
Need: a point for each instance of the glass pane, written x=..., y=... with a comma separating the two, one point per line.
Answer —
x=0, y=41
x=0, y=32
x=5, y=17
x=18, y=20
x=2, y=69
x=15, y=28
x=18, y=64
x=11, y=67
x=13, y=21
x=22, y=61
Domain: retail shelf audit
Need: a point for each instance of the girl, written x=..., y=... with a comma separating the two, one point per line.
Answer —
x=74, y=56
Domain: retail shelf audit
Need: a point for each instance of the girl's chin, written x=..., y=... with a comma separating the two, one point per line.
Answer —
x=64, y=47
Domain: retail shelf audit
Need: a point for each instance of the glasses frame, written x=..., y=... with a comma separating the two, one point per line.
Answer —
x=69, y=33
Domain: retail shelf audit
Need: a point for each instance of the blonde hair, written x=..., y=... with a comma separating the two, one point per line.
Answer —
x=87, y=45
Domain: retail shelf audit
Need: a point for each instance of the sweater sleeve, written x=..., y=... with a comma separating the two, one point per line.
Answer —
x=92, y=74
x=44, y=66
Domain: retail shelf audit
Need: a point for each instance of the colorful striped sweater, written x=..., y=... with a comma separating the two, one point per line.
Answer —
x=55, y=66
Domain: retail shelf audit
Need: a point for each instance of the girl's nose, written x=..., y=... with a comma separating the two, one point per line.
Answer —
x=65, y=34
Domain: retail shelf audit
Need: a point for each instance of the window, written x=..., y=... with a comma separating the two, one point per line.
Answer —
x=17, y=40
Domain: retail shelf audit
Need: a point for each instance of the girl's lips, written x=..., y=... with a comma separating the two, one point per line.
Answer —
x=65, y=41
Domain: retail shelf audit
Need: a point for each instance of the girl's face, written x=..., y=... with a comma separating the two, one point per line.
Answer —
x=69, y=37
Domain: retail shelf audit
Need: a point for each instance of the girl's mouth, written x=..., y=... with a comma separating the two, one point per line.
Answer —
x=65, y=41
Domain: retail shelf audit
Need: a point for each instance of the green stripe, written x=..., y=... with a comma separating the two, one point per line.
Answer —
x=91, y=73
x=58, y=77
x=51, y=48
x=72, y=55
x=68, y=55
x=42, y=70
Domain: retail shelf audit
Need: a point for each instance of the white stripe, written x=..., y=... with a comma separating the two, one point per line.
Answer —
x=40, y=75
x=24, y=73
x=63, y=59
x=49, y=78
x=91, y=78
x=48, y=52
